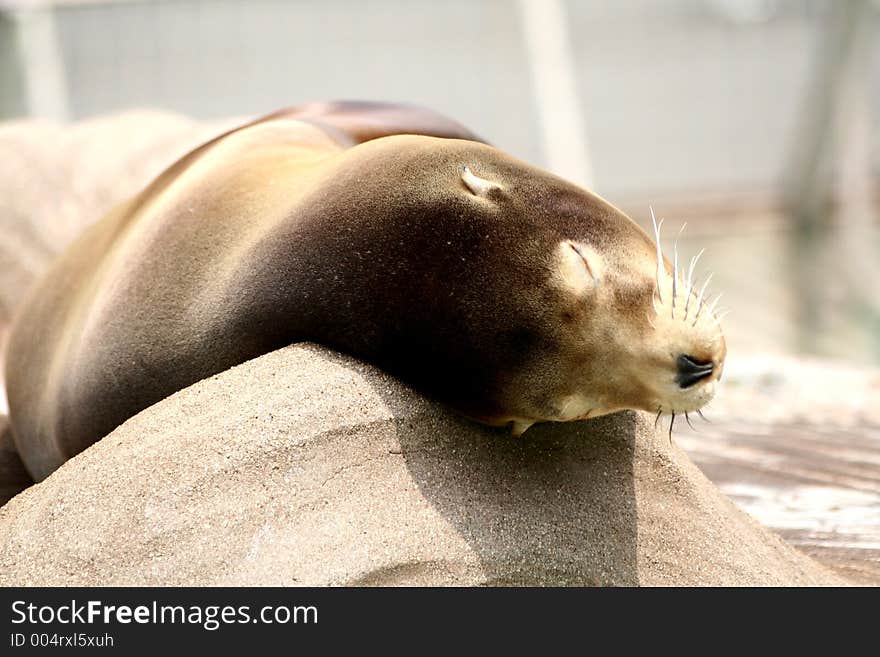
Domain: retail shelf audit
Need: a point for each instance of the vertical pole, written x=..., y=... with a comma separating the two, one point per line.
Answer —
x=39, y=56
x=560, y=115
x=808, y=187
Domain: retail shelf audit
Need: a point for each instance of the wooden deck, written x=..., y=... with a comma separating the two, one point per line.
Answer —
x=796, y=443
x=818, y=487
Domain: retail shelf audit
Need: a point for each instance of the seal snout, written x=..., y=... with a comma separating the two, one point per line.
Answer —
x=692, y=370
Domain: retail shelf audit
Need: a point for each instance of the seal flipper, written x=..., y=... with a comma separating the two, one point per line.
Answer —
x=14, y=478
x=519, y=427
x=362, y=121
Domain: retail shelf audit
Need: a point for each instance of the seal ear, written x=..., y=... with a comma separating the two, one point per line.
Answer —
x=578, y=267
x=478, y=186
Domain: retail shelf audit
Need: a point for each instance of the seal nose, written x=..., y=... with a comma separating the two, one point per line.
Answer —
x=692, y=370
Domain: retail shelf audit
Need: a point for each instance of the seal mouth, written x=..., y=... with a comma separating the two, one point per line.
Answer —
x=692, y=370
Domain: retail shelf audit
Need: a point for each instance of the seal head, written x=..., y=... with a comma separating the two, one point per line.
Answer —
x=620, y=326
x=527, y=298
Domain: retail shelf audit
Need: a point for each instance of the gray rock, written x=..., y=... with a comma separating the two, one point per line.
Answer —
x=306, y=467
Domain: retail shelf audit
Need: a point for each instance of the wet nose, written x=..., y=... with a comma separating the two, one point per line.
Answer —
x=692, y=370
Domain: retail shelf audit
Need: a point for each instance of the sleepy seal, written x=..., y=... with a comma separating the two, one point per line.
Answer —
x=489, y=284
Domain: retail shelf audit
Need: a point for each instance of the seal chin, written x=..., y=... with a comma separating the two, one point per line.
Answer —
x=687, y=400
x=576, y=407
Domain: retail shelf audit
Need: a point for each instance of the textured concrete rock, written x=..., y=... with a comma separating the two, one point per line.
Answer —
x=305, y=467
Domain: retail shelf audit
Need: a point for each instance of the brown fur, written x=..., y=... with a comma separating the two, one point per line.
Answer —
x=280, y=232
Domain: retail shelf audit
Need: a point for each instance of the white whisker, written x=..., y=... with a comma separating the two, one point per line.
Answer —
x=701, y=298
x=657, y=227
x=675, y=267
x=711, y=308
x=719, y=317
x=690, y=282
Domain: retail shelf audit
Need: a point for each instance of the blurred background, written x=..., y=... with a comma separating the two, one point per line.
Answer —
x=754, y=121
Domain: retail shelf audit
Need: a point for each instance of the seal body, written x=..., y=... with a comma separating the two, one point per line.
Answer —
x=487, y=283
